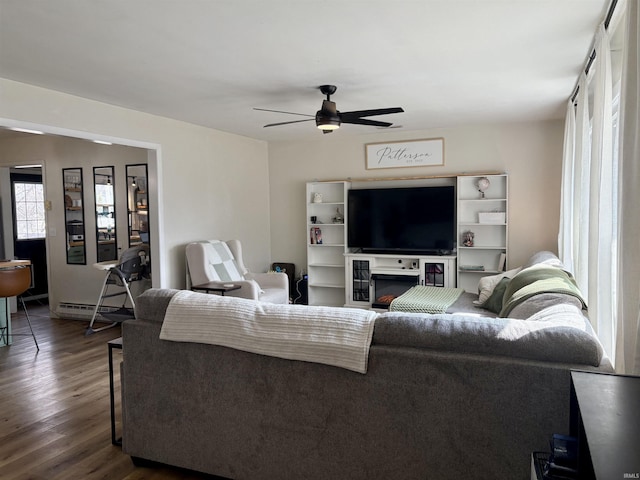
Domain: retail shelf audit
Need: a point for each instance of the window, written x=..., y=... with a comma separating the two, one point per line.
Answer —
x=29, y=205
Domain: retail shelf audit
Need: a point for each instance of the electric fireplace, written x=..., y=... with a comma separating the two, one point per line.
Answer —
x=387, y=287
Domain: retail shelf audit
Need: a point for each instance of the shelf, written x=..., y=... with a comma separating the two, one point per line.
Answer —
x=484, y=247
x=325, y=224
x=327, y=285
x=326, y=265
x=478, y=224
x=326, y=203
x=479, y=271
x=482, y=200
x=326, y=245
x=395, y=271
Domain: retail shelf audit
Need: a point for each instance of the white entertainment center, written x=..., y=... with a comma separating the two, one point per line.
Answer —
x=372, y=277
x=338, y=275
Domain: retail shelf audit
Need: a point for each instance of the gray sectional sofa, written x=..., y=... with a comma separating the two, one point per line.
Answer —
x=444, y=396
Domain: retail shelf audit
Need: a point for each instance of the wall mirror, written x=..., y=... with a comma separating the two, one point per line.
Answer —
x=105, y=214
x=74, y=216
x=138, y=205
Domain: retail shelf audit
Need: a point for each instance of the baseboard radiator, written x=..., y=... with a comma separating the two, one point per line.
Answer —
x=80, y=311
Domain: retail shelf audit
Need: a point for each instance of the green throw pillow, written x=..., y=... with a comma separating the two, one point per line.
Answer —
x=494, y=302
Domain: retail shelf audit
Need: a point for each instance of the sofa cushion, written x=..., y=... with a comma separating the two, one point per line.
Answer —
x=560, y=334
x=487, y=284
x=494, y=302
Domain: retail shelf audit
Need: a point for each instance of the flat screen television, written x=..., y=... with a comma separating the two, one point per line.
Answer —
x=414, y=220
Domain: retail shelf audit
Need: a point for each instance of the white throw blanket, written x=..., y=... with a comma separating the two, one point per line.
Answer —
x=330, y=335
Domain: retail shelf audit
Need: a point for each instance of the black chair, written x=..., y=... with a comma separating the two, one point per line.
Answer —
x=14, y=282
x=134, y=265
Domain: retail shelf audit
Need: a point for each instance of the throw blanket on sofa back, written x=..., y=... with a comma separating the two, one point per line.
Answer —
x=535, y=280
x=334, y=336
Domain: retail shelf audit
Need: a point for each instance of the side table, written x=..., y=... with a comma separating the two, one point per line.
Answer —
x=216, y=287
x=605, y=419
x=115, y=343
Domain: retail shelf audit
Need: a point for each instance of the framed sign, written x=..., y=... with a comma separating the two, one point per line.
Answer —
x=408, y=153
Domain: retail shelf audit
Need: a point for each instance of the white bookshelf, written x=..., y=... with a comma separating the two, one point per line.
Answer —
x=490, y=239
x=325, y=261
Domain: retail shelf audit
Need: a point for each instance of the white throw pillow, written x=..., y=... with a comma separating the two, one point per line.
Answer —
x=486, y=285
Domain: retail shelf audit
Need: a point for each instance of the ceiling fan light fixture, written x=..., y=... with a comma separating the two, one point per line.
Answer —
x=331, y=125
x=327, y=121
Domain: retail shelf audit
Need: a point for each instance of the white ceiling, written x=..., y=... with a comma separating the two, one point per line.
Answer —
x=209, y=62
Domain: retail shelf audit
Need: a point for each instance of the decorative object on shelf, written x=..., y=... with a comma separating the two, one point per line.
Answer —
x=483, y=185
x=315, y=236
x=468, y=237
x=317, y=197
x=314, y=219
x=494, y=218
x=318, y=235
x=502, y=262
x=472, y=268
x=338, y=217
x=412, y=153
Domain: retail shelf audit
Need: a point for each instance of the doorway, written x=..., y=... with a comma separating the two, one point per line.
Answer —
x=29, y=227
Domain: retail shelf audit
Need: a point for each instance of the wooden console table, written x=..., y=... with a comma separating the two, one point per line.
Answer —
x=605, y=417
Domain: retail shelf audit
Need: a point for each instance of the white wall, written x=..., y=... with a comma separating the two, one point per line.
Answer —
x=212, y=184
x=530, y=152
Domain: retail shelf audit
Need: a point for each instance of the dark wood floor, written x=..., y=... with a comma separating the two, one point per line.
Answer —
x=54, y=405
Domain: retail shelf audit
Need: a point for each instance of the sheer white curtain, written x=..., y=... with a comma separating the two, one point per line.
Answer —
x=599, y=222
x=601, y=238
x=565, y=236
x=574, y=215
x=628, y=313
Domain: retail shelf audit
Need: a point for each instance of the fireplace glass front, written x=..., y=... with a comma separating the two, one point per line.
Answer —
x=388, y=287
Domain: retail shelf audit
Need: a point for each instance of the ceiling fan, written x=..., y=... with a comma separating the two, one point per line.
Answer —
x=328, y=118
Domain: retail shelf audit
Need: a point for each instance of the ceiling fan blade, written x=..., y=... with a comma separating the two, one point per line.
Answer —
x=287, y=123
x=370, y=113
x=365, y=121
x=280, y=111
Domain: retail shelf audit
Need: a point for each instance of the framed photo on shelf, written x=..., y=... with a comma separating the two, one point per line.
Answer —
x=407, y=153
